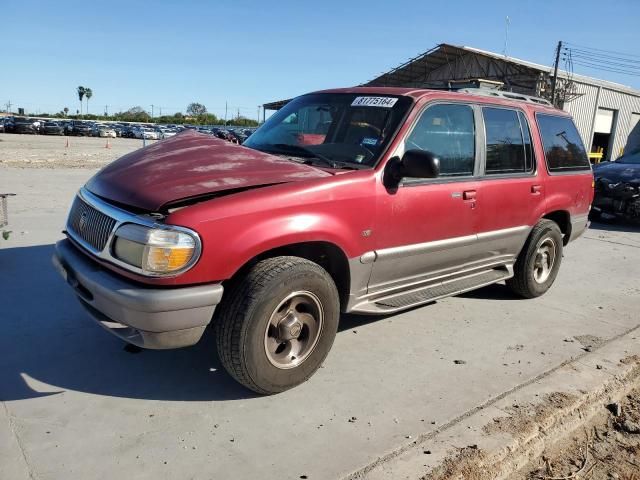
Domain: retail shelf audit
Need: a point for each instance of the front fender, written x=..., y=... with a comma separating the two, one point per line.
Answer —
x=225, y=254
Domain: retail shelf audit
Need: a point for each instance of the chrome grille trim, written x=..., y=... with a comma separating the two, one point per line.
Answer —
x=105, y=220
x=89, y=224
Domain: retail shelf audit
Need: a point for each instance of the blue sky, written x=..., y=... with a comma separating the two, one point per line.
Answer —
x=245, y=53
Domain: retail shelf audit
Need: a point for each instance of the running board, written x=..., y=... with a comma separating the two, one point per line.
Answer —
x=419, y=296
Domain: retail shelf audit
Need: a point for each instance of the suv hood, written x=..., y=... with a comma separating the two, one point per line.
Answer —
x=191, y=165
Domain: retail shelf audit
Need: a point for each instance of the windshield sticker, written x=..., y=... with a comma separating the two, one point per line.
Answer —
x=369, y=141
x=384, y=102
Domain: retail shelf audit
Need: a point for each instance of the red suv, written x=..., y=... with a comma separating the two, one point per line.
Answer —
x=361, y=200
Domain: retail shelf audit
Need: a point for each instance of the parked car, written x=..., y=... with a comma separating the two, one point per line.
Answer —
x=67, y=126
x=146, y=133
x=24, y=125
x=82, y=129
x=238, y=135
x=166, y=132
x=617, y=188
x=407, y=197
x=52, y=128
x=105, y=131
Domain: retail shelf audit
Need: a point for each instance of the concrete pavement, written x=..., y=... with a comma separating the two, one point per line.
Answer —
x=76, y=405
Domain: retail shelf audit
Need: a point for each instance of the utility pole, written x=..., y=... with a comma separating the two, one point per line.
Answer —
x=106, y=110
x=152, y=110
x=160, y=108
x=555, y=74
x=225, y=114
x=258, y=114
x=9, y=106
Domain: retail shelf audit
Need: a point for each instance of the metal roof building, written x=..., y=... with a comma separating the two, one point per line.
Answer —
x=607, y=114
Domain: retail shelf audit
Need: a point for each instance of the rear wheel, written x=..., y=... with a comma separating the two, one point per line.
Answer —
x=537, y=265
x=277, y=324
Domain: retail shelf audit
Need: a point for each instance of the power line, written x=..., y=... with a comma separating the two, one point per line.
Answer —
x=606, y=69
x=606, y=63
x=603, y=58
x=600, y=50
x=599, y=59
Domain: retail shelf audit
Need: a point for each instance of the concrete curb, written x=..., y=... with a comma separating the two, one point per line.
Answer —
x=503, y=435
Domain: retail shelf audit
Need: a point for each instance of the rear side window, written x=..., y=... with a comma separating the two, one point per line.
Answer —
x=508, y=142
x=447, y=131
x=563, y=147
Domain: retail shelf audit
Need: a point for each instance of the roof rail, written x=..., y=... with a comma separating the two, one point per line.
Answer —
x=506, y=95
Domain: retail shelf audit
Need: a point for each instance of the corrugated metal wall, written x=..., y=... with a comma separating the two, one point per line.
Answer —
x=625, y=104
x=584, y=108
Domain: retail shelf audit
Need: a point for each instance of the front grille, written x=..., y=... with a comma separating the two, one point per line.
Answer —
x=89, y=224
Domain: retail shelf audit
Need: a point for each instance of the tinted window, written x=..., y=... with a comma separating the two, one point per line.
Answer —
x=508, y=142
x=563, y=148
x=447, y=131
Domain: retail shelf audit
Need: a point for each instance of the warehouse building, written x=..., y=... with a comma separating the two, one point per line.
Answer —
x=607, y=114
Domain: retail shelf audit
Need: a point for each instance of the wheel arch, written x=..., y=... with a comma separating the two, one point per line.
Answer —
x=326, y=254
x=563, y=219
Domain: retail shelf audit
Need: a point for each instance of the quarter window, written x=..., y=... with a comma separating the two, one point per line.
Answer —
x=508, y=142
x=447, y=131
x=563, y=147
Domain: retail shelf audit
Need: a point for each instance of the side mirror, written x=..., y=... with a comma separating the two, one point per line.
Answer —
x=415, y=164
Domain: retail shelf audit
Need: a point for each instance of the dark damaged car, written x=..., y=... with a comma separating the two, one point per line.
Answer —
x=617, y=188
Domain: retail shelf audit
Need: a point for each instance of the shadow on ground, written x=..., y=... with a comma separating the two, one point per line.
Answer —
x=615, y=226
x=49, y=345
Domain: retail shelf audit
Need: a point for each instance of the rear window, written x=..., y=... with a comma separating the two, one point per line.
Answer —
x=563, y=147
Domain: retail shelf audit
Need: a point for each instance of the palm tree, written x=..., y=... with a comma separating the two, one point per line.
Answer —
x=66, y=111
x=81, y=91
x=88, y=94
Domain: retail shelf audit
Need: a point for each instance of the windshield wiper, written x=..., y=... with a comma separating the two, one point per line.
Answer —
x=308, y=154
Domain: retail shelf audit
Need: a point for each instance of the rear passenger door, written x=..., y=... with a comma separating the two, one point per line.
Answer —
x=511, y=190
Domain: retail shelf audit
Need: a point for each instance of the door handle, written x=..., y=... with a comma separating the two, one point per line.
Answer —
x=536, y=189
x=469, y=195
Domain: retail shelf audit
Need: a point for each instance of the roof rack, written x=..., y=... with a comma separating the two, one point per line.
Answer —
x=507, y=95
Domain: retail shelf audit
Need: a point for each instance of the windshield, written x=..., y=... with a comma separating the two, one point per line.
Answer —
x=335, y=129
x=631, y=158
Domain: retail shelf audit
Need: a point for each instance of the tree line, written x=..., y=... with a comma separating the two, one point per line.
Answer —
x=196, y=114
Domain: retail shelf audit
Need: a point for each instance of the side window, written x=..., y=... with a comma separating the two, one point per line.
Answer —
x=447, y=131
x=563, y=147
x=508, y=142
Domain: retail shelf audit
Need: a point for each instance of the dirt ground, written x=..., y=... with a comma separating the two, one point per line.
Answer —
x=51, y=151
x=607, y=448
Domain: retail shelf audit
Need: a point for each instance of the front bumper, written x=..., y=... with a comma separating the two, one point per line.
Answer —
x=157, y=318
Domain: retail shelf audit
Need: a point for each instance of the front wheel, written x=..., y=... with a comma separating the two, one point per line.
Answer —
x=277, y=324
x=539, y=261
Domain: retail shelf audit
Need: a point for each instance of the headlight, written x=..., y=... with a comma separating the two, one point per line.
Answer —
x=156, y=251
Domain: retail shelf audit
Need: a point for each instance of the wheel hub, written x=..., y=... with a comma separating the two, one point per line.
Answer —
x=293, y=329
x=544, y=260
x=289, y=328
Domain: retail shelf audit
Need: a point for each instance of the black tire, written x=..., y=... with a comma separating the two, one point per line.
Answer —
x=526, y=281
x=246, y=312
